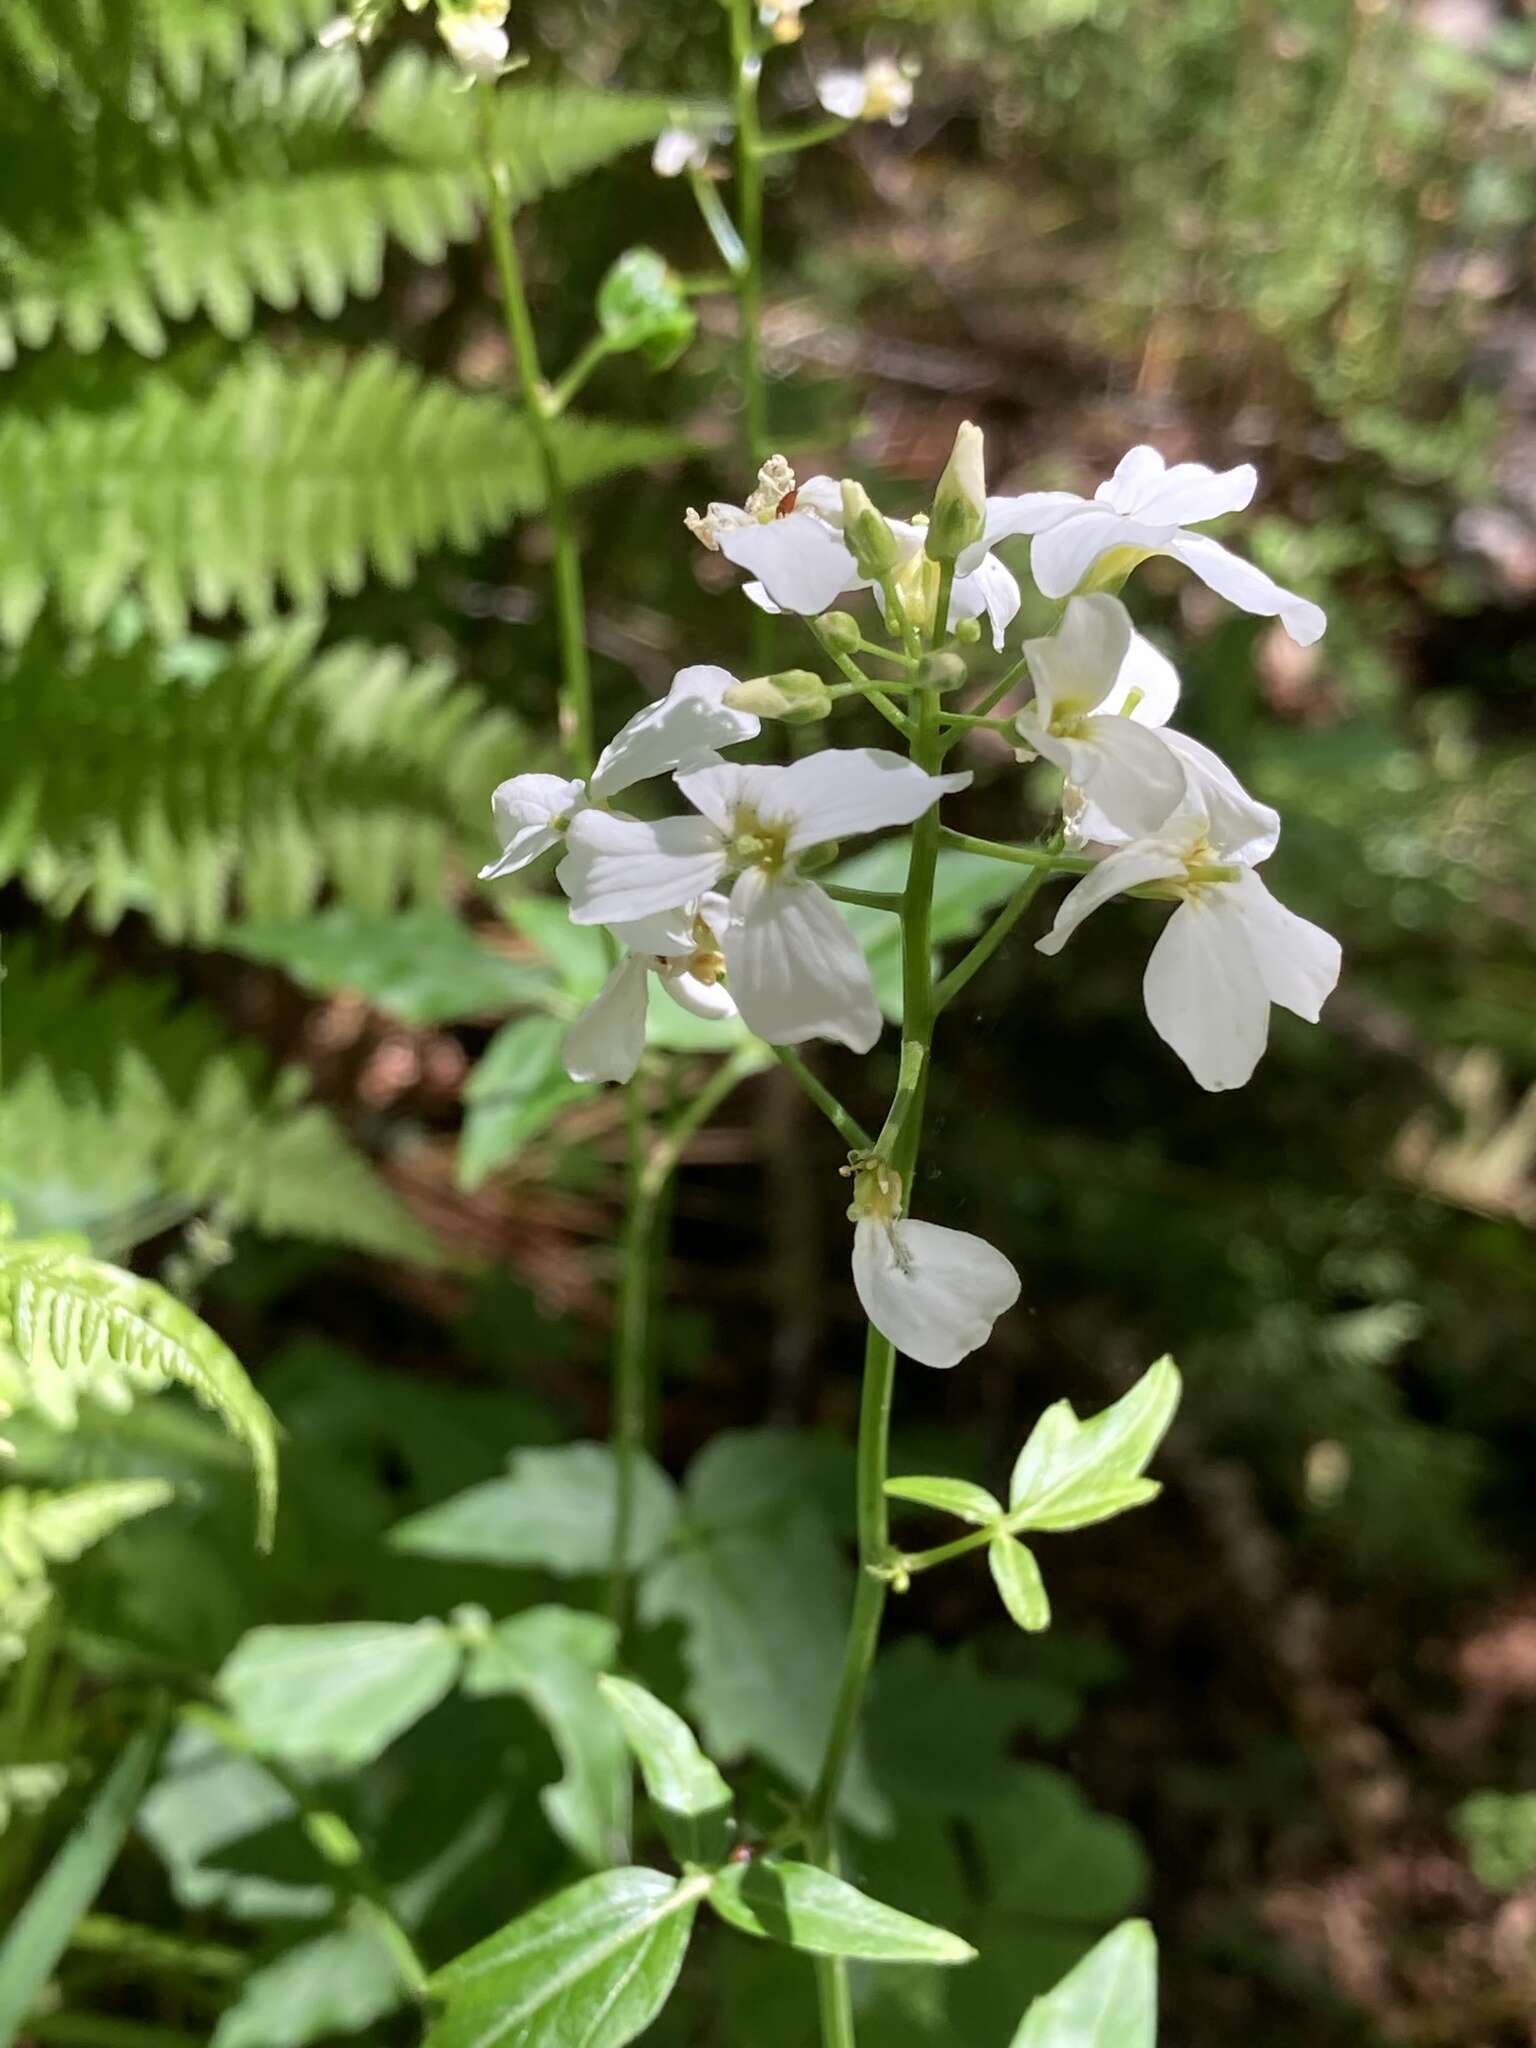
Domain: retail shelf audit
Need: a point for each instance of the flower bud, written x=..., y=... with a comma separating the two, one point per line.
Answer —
x=942, y=671
x=869, y=540
x=968, y=631
x=476, y=39
x=793, y=695
x=840, y=630
x=959, y=517
x=816, y=859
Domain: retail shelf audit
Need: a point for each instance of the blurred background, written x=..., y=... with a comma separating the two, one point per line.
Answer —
x=1298, y=1691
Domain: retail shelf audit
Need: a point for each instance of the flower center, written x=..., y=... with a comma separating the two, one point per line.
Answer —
x=755, y=841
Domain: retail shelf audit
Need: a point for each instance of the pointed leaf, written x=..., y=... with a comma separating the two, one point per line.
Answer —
x=337, y=1984
x=692, y=1800
x=1018, y=1579
x=1108, y=2001
x=1071, y=1473
x=337, y=1696
x=822, y=1915
x=555, y=1510
x=593, y=1965
x=950, y=1497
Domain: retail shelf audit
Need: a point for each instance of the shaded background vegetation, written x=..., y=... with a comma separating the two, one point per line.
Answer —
x=1295, y=232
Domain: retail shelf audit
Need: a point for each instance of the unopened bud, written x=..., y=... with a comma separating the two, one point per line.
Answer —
x=942, y=671
x=817, y=858
x=793, y=695
x=959, y=517
x=968, y=631
x=869, y=539
x=840, y=630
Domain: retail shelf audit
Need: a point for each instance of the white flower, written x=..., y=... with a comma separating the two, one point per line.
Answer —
x=1144, y=509
x=1122, y=766
x=684, y=729
x=882, y=91
x=789, y=538
x=935, y=1293
x=1228, y=951
x=678, y=150
x=782, y=18
x=682, y=948
x=794, y=968
x=476, y=40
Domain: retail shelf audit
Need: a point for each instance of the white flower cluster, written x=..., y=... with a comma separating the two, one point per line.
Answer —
x=720, y=905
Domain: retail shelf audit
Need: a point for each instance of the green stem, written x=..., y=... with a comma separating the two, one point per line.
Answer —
x=597, y=350
x=576, y=726
x=979, y=954
x=863, y=685
x=872, y=899
x=721, y=227
x=1000, y=688
x=846, y=1126
x=804, y=138
x=1046, y=857
x=962, y=1546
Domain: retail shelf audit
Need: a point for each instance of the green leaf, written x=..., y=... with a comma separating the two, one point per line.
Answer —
x=40, y=1933
x=592, y=1966
x=551, y=1657
x=1047, y=1853
x=336, y=1696
x=641, y=305
x=556, y=1510
x=337, y=1984
x=812, y=1910
x=72, y=1326
x=1108, y=2001
x=208, y=1804
x=1071, y=1473
x=692, y=1800
x=950, y=1497
x=1017, y=1577
x=280, y=477
x=763, y=1591
x=422, y=966
x=517, y=1090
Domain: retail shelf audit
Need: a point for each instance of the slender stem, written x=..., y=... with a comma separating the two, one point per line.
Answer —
x=1000, y=688
x=957, y=723
x=962, y=1546
x=978, y=956
x=1046, y=857
x=941, y=603
x=746, y=66
x=576, y=728
x=804, y=138
x=872, y=899
x=864, y=685
x=721, y=227
x=597, y=350
x=847, y=1127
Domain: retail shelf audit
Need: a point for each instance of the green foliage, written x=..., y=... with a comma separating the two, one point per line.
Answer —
x=337, y=1696
x=1108, y=2001
x=691, y=1799
x=181, y=779
x=41, y=1529
x=556, y=1510
x=339, y=1983
x=595, y=1963
x=74, y=1328
x=1499, y=1829
x=422, y=966
x=809, y=1909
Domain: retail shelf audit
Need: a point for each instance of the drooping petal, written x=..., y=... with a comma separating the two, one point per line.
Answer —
x=1127, y=771
x=935, y=1293
x=1241, y=828
x=990, y=591
x=1240, y=583
x=708, y=999
x=1154, y=860
x=800, y=560
x=1032, y=512
x=1203, y=991
x=681, y=730
x=843, y=790
x=795, y=969
x=1062, y=556
x=530, y=813
x=1148, y=681
x=618, y=869
x=1297, y=961
x=607, y=1039
x=1076, y=667
x=1143, y=487
x=843, y=93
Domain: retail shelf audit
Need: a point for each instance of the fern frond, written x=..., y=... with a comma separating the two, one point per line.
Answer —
x=73, y=1327
x=119, y=1103
x=182, y=781
x=96, y=46
x=40, y=1529
x=277, y=477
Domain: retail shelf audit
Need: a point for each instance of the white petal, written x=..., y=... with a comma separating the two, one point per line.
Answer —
x=935, y=1293
x=709, y=999
x=681, y=730
x=1030, y=513
x=607, y=1039
x=669, y=934
x=1241, y=828
x=1062, y=556
x=843, y=790
x=800, y=560
x=1151, y=678
x=530, y=811
x=720, y=791
x=822, y=495
x=795, y=969
x=714, y=910
x=843, y=93
x=1143, y=488
x=618, y=869
x=1128, y=772
x=1127, y=868
x=989, y=591
x=1203, y=991
x=1240, y=583
x=1079, y=663
x=1297, y=961
x=756, y=593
